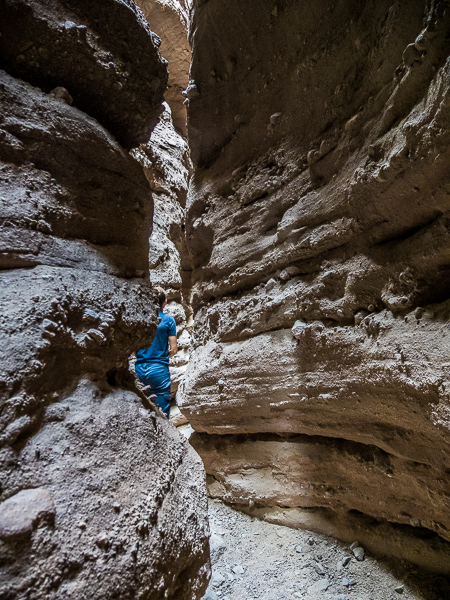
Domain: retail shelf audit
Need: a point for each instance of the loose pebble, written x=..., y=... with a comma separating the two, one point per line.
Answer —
x=359, y=553
x=320, y=586
x=210, y=595
x=217, y=547
x=319, y=568
x=217, y=579
x=238, y=569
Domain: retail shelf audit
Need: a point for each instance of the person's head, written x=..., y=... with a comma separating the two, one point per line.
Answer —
x=162, y=300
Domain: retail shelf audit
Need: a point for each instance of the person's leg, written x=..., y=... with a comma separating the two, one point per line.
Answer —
x=158, y=378
x=163, y=400
x=156, y=396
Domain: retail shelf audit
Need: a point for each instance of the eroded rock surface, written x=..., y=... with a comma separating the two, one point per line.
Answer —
x=167, y=164
x=99, y=496
x=100, y=52
x=318, y=227
x=170, y=20
x=60, y=215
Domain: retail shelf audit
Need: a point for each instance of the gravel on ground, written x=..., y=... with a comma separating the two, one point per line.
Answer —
x=255, y=560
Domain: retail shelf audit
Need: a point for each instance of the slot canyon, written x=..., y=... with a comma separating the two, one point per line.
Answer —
x=281, y=169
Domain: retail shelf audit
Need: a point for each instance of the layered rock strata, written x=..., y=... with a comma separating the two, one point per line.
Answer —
x=99, y=497
x=318, y=229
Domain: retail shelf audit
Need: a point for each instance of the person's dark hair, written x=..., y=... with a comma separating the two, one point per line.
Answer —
x=161, y=296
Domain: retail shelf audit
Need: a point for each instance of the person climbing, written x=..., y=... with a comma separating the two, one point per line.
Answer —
x=152, y=364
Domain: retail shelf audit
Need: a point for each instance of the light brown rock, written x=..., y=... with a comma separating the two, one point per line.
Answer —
x=170, y=20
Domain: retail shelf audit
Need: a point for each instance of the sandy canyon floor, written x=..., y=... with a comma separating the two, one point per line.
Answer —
x=255, y=560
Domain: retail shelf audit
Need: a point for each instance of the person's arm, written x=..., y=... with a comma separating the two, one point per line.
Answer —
x=173, y=347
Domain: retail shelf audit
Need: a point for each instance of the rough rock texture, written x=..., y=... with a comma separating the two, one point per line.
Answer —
x=170, y=20
x=318, y=228
x=99, y=496
x=167, y=166
x=60, y=215
x=102, y=62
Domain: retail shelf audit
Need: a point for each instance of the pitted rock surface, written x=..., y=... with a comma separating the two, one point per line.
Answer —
x=124, y=504
x=167, y=166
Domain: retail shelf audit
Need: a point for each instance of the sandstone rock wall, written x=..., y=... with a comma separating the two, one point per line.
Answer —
x=170, y=19
x=167, y=164
x=318, y=230
x=99, y=497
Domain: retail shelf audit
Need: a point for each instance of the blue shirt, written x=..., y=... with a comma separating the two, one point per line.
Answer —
x=159, y=350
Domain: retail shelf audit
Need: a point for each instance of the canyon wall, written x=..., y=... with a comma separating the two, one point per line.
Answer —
x=318, y=231
x=170, y=20
x=99, y=495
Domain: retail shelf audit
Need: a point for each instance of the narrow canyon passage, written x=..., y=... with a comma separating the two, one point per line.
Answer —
x=319, y=347
x=281, y=170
